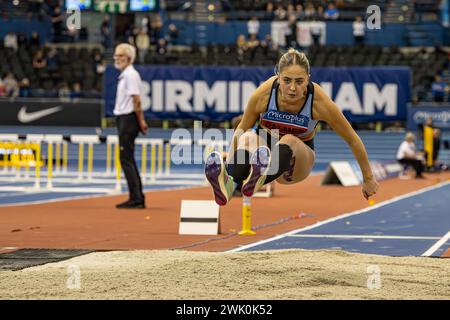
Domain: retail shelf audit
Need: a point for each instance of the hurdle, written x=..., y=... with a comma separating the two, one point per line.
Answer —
x=157, y=154
x=176, y=142
x=37, y=138
x=111, y=141
x=19, y=153
x=51, y=139
x=154, y=170
x=7, y=138
x=90, y=140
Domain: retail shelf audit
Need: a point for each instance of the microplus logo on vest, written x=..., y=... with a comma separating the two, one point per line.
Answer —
x=292, y=118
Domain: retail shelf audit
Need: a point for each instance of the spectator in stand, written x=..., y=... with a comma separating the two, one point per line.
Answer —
x=143, y=45
x=146, y=25
x=407, y=155
x=39, y=60
x=395, y=127
x=25, y=89
x=72, y=34
x=11, y=85
x=76, y=91
x=270, y=15
x=436, y=146
x=252, y=42
x=52, y=59
x=299, y=12
x=157, y=26
x=35, y=41
x=105, y=32
x=253, y=26
x=100, y=68
x=57, y=24
x=439, y=89
x=359, y=30
x=331, y=13
x=290, y=10
x=2, y=89
x=267, y=44
x=10, y=41
x=316, y=34
x=241, y=47
x=252, y=45
x=310, y=12
x=172, y=35
x=97, y=57
x=22, y=40
x=291, y=34
x=161, y=47
x=35, y=8
x=320, y=14
x=280, y=13
x=64, y=92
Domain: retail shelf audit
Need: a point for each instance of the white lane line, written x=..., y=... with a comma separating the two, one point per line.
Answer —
x=343, y=216
x=25, y=203
x=350, y=236
x=437, y=245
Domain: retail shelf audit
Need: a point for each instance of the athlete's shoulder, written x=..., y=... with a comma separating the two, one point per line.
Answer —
x=266, y=86
x=319, y=93
x=265, y=89
x=260, y=97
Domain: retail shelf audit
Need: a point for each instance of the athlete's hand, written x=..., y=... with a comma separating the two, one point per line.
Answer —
x=144, y=127
x=369, y=187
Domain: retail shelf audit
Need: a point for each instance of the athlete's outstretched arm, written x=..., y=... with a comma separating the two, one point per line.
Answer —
x=329, y=112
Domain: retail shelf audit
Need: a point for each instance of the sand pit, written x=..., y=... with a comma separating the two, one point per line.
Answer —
x=285, y=274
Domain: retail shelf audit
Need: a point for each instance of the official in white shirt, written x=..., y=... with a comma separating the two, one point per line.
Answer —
x=359, y=30
x=130, y=121
x=406, y=155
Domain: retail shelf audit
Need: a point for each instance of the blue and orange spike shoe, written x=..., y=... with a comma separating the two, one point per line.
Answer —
x=221, y=182
x=260, y=163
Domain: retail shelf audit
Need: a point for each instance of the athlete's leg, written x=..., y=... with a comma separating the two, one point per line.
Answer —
x=223, y=180
x=302, y=161
x=290, y=161
x=238, y=165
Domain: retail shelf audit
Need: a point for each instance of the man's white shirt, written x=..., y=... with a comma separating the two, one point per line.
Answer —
x=358, y=28
x=129, y=85
x=406, y=150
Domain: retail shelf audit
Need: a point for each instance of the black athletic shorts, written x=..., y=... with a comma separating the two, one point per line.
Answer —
x=265, y=133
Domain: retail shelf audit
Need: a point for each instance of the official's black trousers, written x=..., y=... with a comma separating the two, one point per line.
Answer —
x=417, y=164
x=128, y=129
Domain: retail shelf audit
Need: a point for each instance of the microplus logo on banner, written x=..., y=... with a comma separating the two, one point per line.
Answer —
x=220, y=93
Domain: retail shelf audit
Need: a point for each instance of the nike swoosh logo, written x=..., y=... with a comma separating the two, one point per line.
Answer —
x=26, y=117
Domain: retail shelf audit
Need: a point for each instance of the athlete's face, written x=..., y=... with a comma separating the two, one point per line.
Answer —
x=293, y=82
x=121, y=60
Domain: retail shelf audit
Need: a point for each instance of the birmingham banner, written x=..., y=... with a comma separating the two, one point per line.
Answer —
x=51, y=112
x=220, y=93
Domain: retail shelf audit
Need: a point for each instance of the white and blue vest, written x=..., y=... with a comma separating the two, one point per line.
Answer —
x=300, y=125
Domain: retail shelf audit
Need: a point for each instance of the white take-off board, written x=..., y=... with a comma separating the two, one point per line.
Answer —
x=199, y=217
